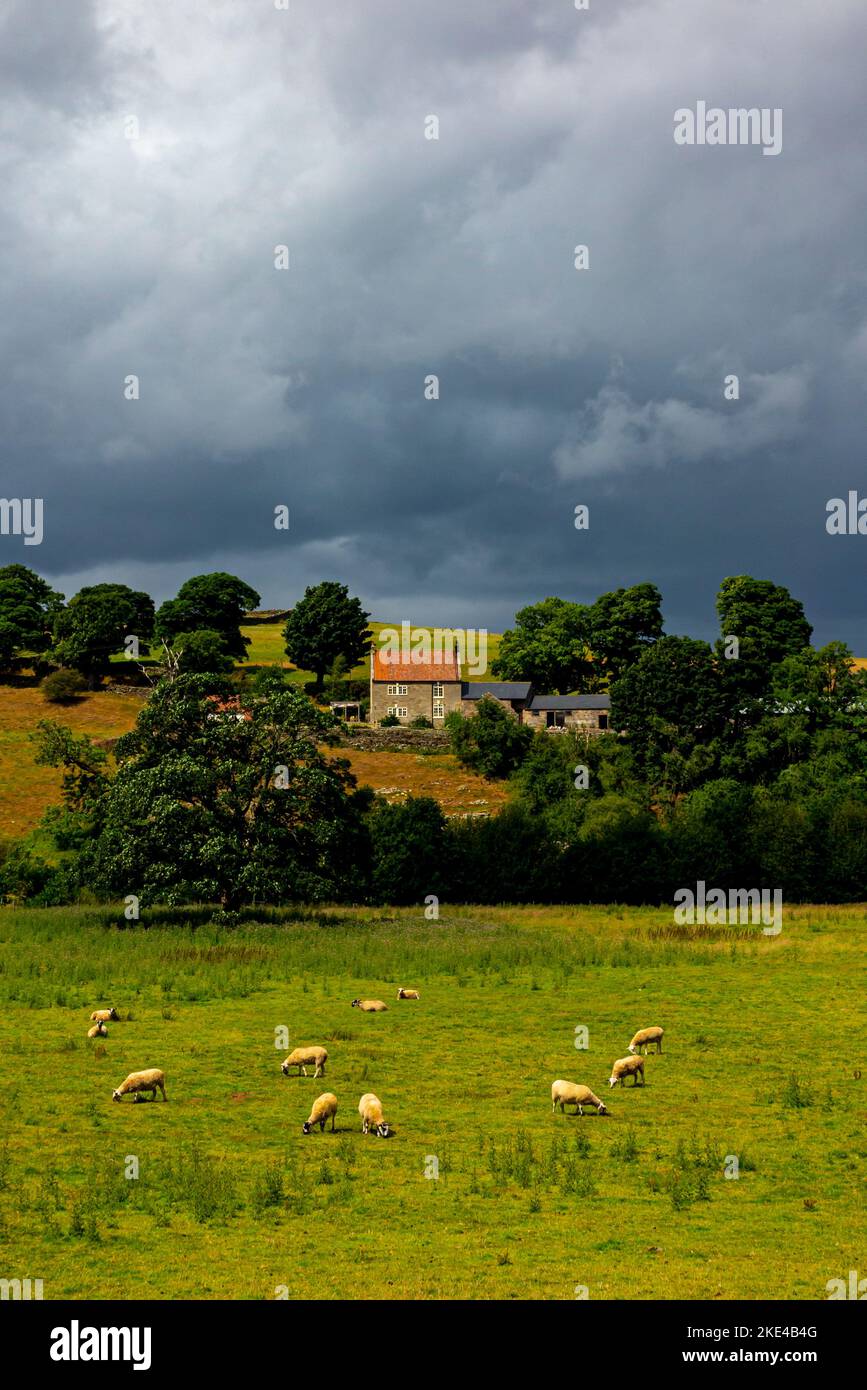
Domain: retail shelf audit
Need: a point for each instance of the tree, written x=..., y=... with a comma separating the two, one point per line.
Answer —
x=95, y=624
x=623, y=624
x=28, y=608
x=407, y=850
x=549, y=645
x=491, y=741
x=324, y=625
x=209, y=806
x=671, y=704
x=769, y=625
x=215, y=602
x=202, y=652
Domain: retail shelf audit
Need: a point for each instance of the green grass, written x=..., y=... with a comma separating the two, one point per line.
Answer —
x=763, y=1036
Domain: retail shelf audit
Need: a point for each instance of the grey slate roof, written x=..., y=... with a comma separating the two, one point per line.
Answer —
x=502, y=690
x=570, y=702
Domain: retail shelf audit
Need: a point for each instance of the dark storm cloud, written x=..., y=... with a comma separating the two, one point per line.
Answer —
x=410, y=257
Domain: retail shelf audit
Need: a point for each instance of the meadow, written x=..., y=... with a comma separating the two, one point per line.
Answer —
x=763, y=1061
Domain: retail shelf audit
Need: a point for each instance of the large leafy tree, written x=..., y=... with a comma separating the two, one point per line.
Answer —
x=769, y=625
x=672, y=706
x=326, y=624
x=28, y=608
x=95, y=623
x=229, y=800
x=623, y=624
x=550, y=646
x=214, y=602
x=491, y=741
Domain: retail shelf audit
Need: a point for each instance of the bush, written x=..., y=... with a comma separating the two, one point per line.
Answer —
x=389, y=722
x=421, y=721
x=491, y=742
x=63, y=687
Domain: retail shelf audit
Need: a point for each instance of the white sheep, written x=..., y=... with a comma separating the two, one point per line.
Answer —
x=139, y=1081
x=323, y=1107
x=370, y=1006
x=568, y=1093
x=105, y=1016
x=408, y=994
x=98, y=1030
x=627, y=1066
x=644, y=1036
x=370, y=1110
x=304, y=1057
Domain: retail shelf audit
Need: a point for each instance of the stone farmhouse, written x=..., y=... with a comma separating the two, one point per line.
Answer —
x=408, y=689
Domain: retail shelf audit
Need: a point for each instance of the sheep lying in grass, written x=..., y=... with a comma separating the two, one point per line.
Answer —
x=370, y=1006
x=408, y=994
x=98, y=1030
x=627, y=1066
x=370, y=1110
x=105, y=1016
x=304, y=1057
x=644, y=1036
x=323, y=1107
x=568, y=1093
x=152, y=1080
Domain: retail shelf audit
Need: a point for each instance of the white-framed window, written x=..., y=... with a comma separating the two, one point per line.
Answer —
x=438, y=690
x=439, y=709
x=396, y=690
x=399, y=711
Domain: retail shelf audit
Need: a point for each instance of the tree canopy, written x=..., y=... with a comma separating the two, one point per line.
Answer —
x=96, y=622
x=550, y=646
x=214, y=602
x=325, y=625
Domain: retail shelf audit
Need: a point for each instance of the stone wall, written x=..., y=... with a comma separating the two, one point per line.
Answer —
x=395, y=740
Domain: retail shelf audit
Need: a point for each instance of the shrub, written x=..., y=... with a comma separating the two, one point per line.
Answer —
x=421, y=721
x=389, y=722
x=63, y=687
x=491, y=742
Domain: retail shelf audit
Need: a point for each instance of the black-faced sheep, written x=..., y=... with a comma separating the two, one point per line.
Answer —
x=370, y=1006
x=370, y=1110
x=323, y=1107
x=408, y=994
x=627, y=1066
x=137, y=1082
x=105, y=1016
x=569, y=1093
x=98, y=1030
x=304, y=1057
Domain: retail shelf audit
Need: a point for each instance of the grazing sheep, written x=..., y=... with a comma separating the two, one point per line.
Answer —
x=98, y=1030
x=105, y=1016
x=370, y=1110
x=304, y=1057
x=408, y=994
x=370, y=1006
x=138, y=1081
x=645, y=1036
x=323, y=1107
x=568, y=1093
x=627, y=1066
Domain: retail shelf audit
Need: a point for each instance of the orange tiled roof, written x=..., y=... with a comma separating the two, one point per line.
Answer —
x=391, y=671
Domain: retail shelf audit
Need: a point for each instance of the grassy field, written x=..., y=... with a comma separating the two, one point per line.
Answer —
x=763, y=1040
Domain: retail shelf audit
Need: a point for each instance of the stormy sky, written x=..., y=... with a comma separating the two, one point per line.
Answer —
x=259, y=127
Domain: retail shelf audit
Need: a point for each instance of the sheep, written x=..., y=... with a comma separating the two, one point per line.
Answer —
x=370, y=1110
x=370, y=1006
x=105, y=1016
x=568, y=1093
x=323, y=1107
x=408, y=994
x=627, y=1066
x=304, y=1057
x=138, y=1081
x=645, y=1036
x=98, y=1030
